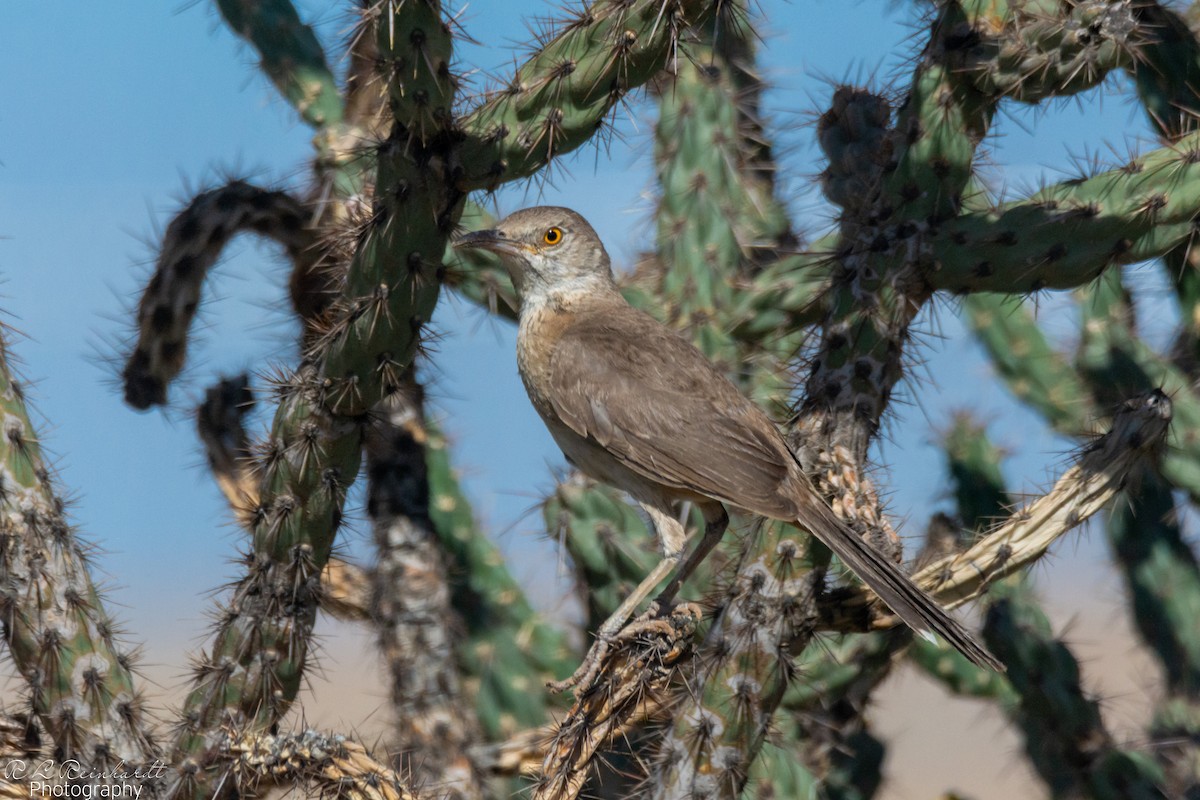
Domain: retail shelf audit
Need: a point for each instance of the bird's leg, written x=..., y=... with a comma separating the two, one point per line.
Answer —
x=715, y=523
x=671, y=536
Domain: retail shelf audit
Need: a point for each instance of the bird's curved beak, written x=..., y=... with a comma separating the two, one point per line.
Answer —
x=491, y=240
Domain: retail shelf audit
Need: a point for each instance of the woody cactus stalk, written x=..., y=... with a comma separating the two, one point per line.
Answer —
x=762, y=688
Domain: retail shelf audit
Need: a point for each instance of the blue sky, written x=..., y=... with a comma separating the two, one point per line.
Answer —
x=110, y=116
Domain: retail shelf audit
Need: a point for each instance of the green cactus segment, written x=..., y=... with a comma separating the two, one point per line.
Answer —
x=509, y=651
x=1064, y=736
x=982, y=51
x=1034, y=371
x=415, y=46
x=1167, y=70
x=834, y=664
x=974, y=463
x=610, y=545
x=1045, y=51
x=779, y=773
x=719, y=223
x=855, y=136
x=1066, y=234
x=558, y=99
x=1167, y=75
x=393, y=280
x=784, y=297
x=1163, y=578
x=952, y=669
x=699, y=171
x=1106, y=314
x=58, y=632
x=315, y=444
x=1175, y=730
x=255, y=668
x=291, y=56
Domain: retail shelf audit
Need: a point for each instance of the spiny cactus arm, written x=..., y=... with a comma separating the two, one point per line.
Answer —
x=259, y=653
x=291, y=56
x=980, y=494
x=952, y=670
x=979, y=53
x=981, y=499
x=1163, y=578
x=1046, y=49
x=509, y=651
x=1066, y=234
x=1167, y=70
x=786, y=295
x=719, y=222
x=558, y=99
x=393, y=280
x=1065, y=737
x=333, y=765
x=1167, y=75
x=743, y=670
x=1117, y=363
x=432, y=724
x=634, y=674
x=59, y=634
x=254, y=669
x=1034, y=371
x=222, y=433
x=345, y=588
x=779, y=772
x=193, y=242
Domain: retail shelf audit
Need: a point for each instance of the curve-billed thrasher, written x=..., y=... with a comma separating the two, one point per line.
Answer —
x=633, y=404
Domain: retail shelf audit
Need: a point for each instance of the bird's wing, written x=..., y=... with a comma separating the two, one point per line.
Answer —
x=655, y=402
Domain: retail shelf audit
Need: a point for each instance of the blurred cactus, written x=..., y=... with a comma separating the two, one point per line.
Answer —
x=763, y=689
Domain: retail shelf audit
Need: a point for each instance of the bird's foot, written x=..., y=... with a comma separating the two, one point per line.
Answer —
x=609, y=650
x=587, y=671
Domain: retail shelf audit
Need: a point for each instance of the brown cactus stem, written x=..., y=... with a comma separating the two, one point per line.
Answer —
x=432, y=727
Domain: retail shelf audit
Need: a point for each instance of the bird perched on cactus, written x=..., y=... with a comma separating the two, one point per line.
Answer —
x=633, y=404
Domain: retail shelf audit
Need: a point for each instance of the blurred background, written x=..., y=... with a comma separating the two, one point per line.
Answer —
x=111, y=115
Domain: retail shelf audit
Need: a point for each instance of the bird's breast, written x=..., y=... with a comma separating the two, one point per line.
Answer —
x=541, y=327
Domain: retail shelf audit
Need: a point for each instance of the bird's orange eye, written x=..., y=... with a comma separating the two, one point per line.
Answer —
x=552, y=236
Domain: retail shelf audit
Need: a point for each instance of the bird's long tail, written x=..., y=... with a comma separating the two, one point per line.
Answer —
x=918, y=610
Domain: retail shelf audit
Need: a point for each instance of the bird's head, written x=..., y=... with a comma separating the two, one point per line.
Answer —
x=549, y=252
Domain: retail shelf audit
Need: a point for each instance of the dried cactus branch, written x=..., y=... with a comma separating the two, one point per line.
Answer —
x=632, y=677
x=333, y=765
x=1089, y=486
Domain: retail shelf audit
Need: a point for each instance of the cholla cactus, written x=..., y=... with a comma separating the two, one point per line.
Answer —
x=712, y=699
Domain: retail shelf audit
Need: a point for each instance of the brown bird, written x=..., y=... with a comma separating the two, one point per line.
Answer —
x=634, y=405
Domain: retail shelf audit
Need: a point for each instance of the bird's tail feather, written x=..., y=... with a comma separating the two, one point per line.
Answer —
x=918, y=610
